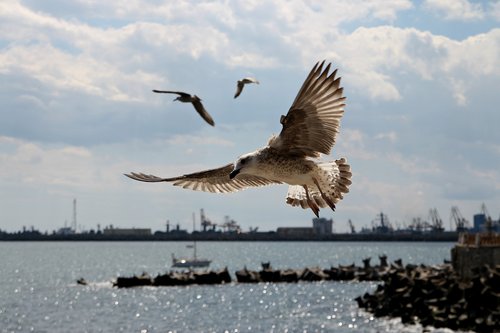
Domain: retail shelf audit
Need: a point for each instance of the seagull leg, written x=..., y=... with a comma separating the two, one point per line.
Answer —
x=314, y=207
x=327, y=199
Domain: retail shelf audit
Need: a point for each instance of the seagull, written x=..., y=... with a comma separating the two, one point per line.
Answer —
x=193, y=99
x=293, y=157
x=241, y=83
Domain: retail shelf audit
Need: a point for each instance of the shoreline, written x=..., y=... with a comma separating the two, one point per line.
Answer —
x=231, y=237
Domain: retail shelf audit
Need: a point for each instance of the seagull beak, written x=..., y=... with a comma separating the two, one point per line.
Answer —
x=234, y=173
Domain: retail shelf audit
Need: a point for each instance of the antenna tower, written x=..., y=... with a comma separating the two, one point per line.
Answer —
x=73, y=223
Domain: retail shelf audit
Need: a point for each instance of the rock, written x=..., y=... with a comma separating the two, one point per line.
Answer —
x=270, y=275
x=247, y=276
x=312, y=274
x=436, y=296
x=126, y=282
x=289, y=275
x=81, y=281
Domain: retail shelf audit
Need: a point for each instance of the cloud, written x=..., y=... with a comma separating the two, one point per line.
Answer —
x=193, y=140
x=66, y=166
x=353, y=142
x=459, y=10
x=414, y=165
x=371, y=55
x=376, y=58
x=76, y=110
x=390, y=136
x=494, y=10
x=82, y=73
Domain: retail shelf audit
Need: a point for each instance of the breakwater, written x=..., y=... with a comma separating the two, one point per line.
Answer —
x=438, y=296
x=431, y=295
x=266, y=274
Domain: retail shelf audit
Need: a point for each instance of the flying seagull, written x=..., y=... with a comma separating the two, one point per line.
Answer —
x=241, y=83
x=193, y=99
x=309, y=129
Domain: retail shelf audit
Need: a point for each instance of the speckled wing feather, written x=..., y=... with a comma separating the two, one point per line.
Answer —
x=313, y=120
x=214, y=180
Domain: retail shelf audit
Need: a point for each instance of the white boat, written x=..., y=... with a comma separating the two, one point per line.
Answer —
x=190, y=262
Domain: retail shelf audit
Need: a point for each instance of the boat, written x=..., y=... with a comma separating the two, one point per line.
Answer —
x=194, y=262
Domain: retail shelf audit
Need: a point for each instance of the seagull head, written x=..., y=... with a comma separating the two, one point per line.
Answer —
x=244, y=164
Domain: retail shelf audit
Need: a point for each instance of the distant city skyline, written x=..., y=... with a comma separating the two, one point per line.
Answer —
x=420, y=128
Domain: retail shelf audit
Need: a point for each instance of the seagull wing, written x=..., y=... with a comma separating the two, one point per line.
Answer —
x=201, y=110
x=239, y=88
x=313, y=120
x=250, y=80
x=241, y=83
x=214, y=180
x=180, y=93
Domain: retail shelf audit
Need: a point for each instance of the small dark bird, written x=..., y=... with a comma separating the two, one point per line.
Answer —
x=193, y=99
x=241, y=83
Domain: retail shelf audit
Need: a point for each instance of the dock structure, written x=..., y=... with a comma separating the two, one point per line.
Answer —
x=474, y=251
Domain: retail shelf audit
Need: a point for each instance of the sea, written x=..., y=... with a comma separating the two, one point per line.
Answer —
x=39, y=293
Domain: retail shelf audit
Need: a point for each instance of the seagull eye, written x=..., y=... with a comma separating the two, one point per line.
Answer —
x=243, y=161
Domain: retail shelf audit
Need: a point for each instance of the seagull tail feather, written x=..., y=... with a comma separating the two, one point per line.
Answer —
x=332, y=183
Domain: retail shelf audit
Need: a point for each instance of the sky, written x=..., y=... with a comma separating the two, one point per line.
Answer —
x=420, y=129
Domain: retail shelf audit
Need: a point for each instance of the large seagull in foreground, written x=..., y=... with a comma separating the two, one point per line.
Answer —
x=309, y=129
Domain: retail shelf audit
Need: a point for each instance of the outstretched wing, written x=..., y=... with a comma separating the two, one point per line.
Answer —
x=201, y=111
x=241, y=83
x=214, y=180
x=313, y=120
x=239, y=88
x=180, y=93
x=250, y=80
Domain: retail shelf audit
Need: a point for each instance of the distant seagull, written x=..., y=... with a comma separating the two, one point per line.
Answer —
x=193, y=99
x=309, y=129
x=241, y=83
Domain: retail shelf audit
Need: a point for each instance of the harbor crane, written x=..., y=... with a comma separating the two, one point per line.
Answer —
x=254, y=230
x=206, y=223
x=484, y=211
x=381, y=224
x=417, y=225
x=351, y=226
x=436, y=222
x=230, y=225
x=487, y=216
x=460, y=222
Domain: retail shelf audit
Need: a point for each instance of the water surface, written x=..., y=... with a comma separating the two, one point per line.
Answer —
x=39, y=291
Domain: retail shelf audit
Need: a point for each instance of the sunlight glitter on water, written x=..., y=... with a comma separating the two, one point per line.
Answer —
x=39, y=292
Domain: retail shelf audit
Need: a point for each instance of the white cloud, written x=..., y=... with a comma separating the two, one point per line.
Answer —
x=390, y=136
x=461, y=10
x=494, y=10
x=353, y=141
x=477, y=55
x=252, y=60
x=193, y=140
x=374, y=57
x=413, y=165
x=371, y=55
x=402, y=84
x=64, y=71
x=458, y=88
x=66, y=167
x=393, y=197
